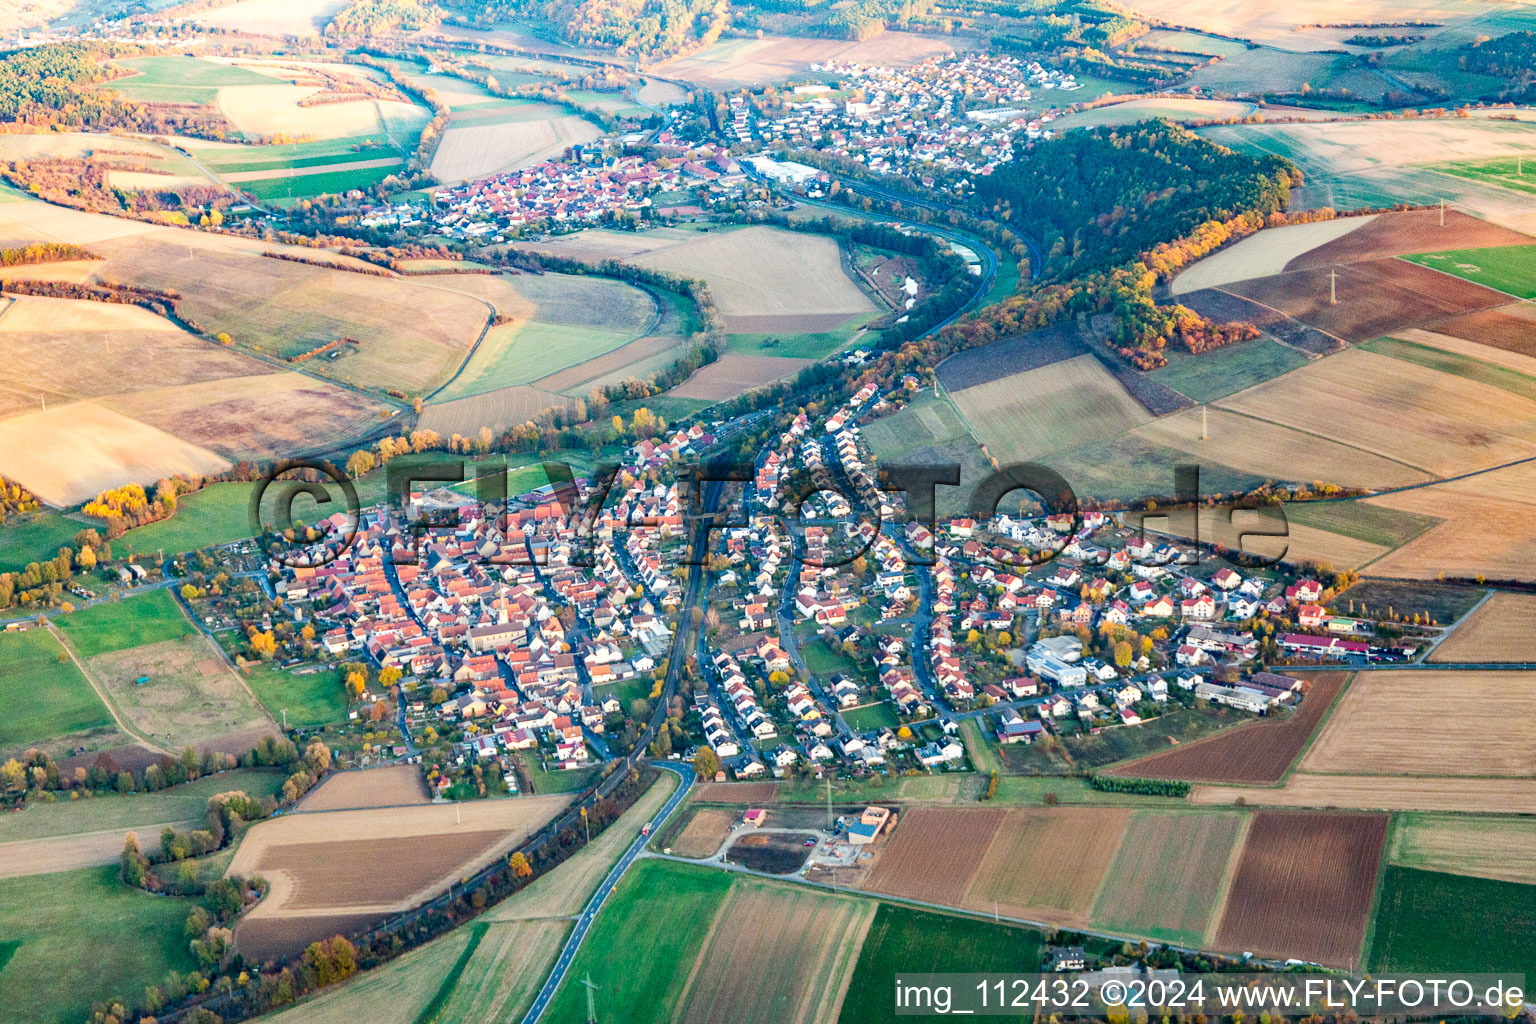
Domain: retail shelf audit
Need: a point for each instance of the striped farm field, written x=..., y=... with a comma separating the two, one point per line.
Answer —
x=1383, y=793
x=775, y=953
x=1048, y=863
x=1502, y=629
x=1304, y=886
x=1166, y=879
x=1431, y=723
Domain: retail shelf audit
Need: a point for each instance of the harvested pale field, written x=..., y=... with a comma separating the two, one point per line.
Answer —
x=1048, y=863
x=1406, y=232
x=66, y=853
x=35, y=221
x=1503, y=629
x=563, y=891
x=411, y=335
x=775, y=953
x=656, y=93
x=935, y=852
x=762, y=271
x=1278, y=24
x=1438, y=422
x=1511, y=360
x=256, y=417
x=1246, y=531
x=1487, y=847
x=73, y=452
x=1023, y=416
x=1171, y=107
x=389, y=786
x=1275, y=452
x=505, y=972
x=733, y=373
x=1304, y=886
x=1509, y=328
x=1337, y=148
x=1263, y=254
x=499, y=410
x=1431, y=723
x=705, y=833
x=271, y=17
x=380, y=860
x=601, y=243
x=636, y=359
x=1375, y=297
x=1260, y=752
x=1166, y=879
x=479, y=150
x=190, y=695
x=264, y=110
x=737, y=63
x=1383, y=793
x=131, y=181
x=1488, y=528
x=65, y=349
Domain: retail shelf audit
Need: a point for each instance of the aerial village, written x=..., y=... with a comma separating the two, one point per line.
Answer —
x=828, y=643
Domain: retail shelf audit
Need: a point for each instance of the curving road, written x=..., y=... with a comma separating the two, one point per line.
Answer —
x=588, y=915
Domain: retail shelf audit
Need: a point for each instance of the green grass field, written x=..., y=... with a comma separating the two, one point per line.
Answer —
x=43, y=697
x=1370, y=523
x=1509, y=269
x=1501, y=377
x=312, y=699
x=1166, y=875
x=1226, y=370
x=134, y=810
x=217, y=514
x=286, y=156
x=904, y=941
x=181, y=79
x=326, y=183
x=872, y=717
x=144, y=619
x=1498, y=171
x=662, y=908
x=558, y=781
x=63, y=921
x=35, y=537
x=1428, y=921
x=809, y=345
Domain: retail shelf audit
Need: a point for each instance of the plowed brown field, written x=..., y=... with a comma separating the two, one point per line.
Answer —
x=1049, y=863
x=1257, y=753
x=935, y=853
x=1304, y=886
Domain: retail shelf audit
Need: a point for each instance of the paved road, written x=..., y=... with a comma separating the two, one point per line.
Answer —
x=584, y=922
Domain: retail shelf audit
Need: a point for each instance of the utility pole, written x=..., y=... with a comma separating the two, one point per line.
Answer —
x=586, y=825
x=591, y=999
x=1442, y=213
x=1519, y=165
x=285, y=719
x=829, y=801
x=1333, y=283
x=1204, y=434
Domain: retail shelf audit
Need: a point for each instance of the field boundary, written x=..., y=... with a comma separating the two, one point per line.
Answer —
x=1228, y=877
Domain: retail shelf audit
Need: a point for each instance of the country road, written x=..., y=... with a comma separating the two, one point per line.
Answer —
x=588, y=915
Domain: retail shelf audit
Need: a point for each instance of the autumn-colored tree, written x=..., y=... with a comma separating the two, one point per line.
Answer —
x=519, y=864
x=706, y=763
